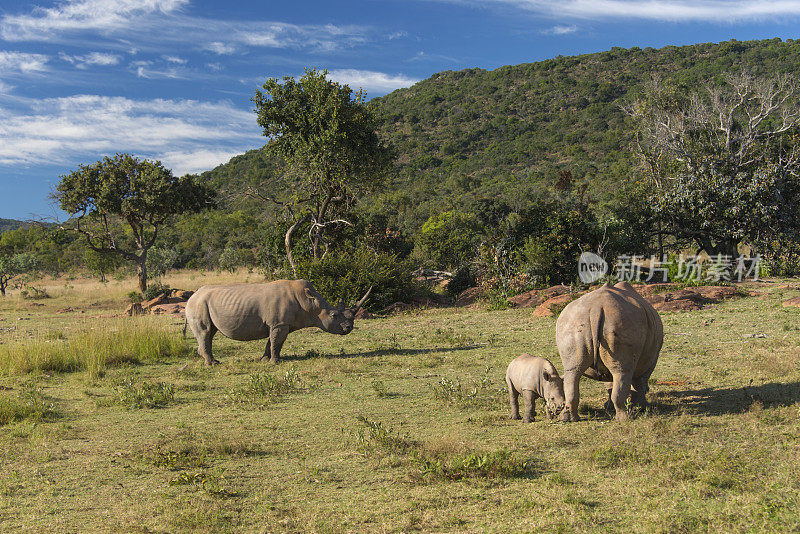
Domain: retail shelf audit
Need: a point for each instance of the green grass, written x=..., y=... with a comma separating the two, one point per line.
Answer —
x=92, y=348
x=401, y=426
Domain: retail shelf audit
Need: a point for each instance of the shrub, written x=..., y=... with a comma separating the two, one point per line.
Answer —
x=262, y=388
x=133, y=395
x=449, y=239
x=155, y=289
x=347, y=276
x=29, y=405
x=462, y=279
x=33, y=293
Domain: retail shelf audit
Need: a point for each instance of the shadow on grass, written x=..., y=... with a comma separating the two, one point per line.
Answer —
x=378, y=352
x=720, y=401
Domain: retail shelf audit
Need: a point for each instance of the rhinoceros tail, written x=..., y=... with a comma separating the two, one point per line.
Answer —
x=596, y=319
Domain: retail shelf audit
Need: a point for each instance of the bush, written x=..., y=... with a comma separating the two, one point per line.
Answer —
x=135, y=396
x=155, y=289
x=348, y=275
x=462, y=279
x=449, y=239
x=30, y=405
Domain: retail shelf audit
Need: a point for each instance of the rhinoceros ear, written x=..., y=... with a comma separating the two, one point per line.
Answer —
x=547, y=376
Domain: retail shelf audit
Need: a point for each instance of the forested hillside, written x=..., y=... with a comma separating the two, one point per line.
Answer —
x=464, y=138
x=9, y=224
x=510, y=173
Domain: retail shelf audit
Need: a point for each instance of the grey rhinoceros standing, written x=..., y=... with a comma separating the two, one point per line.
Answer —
x=611, y=334
x=245, y=312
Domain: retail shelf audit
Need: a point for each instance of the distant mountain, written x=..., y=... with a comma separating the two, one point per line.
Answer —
x=474, y=136
x=9, y=224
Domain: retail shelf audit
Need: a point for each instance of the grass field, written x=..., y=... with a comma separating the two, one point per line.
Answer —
x=400, y=426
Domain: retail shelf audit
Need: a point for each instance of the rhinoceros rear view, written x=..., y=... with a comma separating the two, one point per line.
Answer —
x=611, y=334
x=245, y=312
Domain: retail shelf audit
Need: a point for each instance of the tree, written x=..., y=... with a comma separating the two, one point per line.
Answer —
x=13, y=265
x=723, y=159
x=327, y=138
x=120, y=203
x=450, y=239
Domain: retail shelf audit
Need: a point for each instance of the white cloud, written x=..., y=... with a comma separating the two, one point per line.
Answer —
x=175, y=59
x=196, y=161
x=81, y=15
x=371, y=80
x=560, y=30
x=92, y=58
x=158, y=25
x=666, y=10
x=21, y=63
x=220, y=48
x=84, y=128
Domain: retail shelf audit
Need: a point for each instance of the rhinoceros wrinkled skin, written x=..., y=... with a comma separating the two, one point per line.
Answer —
x=614, y=335
x=534, y=378
x=245, y=312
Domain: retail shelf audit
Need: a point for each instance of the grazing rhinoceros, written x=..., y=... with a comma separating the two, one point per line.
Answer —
x=245, y=312
x=534, y=378
x=611, y=334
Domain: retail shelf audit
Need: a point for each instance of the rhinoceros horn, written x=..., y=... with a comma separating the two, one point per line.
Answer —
x=357, y=306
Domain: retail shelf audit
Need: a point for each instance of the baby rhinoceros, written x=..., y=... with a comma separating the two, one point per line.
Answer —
x=534, y=377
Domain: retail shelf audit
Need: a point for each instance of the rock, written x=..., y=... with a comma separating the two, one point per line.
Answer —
x=180, y=294
x=795, y=302
x=161, y=299
x=134, y=309
x=363, y=314
x=177, y=308
x=536, y=297
x=545, y=309
x=469, y=296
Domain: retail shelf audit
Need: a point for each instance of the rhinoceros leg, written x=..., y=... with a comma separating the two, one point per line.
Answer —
x=639, y=391
x=267, y=350
x=572, y=394
x=204, y=339
x=530, y=411
x=513, y=400
x=609, y=406
x=620, y=392
x=277, y=336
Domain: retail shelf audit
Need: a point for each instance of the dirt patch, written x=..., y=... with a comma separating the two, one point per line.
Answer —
x=793, y=302
x=470, y=296
x=552, y=305
x=537, y=297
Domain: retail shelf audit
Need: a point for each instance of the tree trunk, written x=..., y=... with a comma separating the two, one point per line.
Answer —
x=287, y=241
x=3, y=284
x=141, y=271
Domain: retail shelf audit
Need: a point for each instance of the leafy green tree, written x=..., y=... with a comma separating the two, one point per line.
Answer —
x=14, y=265
x=100, y=264
x=450, y=239
x=327, y=137
x=723, y=159
x=119, y=205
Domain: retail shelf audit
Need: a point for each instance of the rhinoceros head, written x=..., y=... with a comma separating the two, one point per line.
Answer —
x=339, y=320
x=553, y=386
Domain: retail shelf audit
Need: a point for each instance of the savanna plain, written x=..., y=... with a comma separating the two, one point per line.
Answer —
x=112, y=424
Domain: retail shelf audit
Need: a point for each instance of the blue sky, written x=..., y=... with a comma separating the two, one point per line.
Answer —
x=172, y=79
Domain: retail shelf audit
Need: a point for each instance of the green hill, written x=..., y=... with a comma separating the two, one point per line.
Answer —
x=475, y=137
x=9, y=224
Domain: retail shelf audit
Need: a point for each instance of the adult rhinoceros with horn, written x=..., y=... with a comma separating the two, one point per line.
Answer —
x=245, y=312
